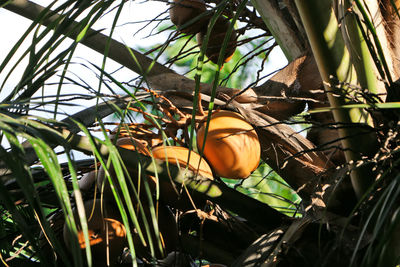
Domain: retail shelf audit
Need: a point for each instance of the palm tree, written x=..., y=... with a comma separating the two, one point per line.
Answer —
x=325, y=199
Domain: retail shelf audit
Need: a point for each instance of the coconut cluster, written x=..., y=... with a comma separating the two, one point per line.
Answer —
x=191, y=17
x=230, y=149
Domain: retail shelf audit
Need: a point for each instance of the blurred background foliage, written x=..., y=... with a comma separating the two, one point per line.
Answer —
x=268, y=187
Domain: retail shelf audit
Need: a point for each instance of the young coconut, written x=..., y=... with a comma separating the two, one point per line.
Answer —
x=107, y=235
x=232, y=147
x=87, y=181
x=216, y=40
x=179, y=155
x=133, y=144
x=183, y=11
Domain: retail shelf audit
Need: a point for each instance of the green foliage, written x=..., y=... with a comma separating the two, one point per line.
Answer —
x=268, y=187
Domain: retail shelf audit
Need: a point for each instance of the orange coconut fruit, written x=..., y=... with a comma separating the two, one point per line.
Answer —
x=87, y=181
x=132, y=144
x=107, y=235
x=232, y=147
x=216, y=39
x=176, y=196
x=178, y=155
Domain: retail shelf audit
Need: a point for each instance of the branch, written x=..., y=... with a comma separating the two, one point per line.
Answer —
x=159, y=76
x=87, y=117
x=286, y=35
x=299, y=79
x=93, y=39
x=266, y=250
x=291, y=155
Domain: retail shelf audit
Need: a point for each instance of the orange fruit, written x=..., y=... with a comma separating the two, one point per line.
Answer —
x=179, y=156
x=183, y=11
x=232, y=147
x=216, y=39
x=107, y=235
